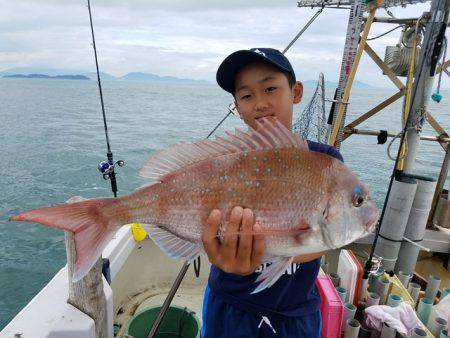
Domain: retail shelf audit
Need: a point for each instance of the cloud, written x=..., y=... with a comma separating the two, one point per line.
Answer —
x=172, y=5
x=178, y=38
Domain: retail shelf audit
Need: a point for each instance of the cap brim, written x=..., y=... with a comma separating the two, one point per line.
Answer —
x=226, y=73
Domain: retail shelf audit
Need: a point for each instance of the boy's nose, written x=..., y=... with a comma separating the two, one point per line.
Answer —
x=261, y=105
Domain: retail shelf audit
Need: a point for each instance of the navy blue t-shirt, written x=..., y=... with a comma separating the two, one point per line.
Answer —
x=294, y=294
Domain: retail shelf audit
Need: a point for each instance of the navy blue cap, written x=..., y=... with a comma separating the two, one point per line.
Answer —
x=226, y=73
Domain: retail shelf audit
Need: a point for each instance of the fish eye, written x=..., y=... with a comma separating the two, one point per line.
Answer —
x=357, y=200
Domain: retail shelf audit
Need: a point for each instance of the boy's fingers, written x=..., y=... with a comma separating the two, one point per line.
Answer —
x=209, y=236
x=231, y=233
x=244, y=252
x=259, y=246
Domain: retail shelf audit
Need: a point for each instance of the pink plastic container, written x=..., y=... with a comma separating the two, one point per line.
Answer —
x=331, y=308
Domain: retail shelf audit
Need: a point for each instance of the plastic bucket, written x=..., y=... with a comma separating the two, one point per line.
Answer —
x=178, y=322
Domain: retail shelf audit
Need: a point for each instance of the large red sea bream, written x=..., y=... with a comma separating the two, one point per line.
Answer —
x=304, y=201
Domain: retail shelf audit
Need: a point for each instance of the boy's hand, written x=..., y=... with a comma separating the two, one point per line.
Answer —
x=239, y=253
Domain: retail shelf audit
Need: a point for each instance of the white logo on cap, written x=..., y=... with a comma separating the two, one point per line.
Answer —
x=259, y=52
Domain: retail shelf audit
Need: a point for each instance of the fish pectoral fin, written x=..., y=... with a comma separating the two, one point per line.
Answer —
x=172, y=245
x=272, y=273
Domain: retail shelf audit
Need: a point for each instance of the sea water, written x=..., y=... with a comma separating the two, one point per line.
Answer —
x=52, y=139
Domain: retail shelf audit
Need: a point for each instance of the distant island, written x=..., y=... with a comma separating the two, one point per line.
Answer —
x=43, y=76
x=78, y=74
x=44, y=73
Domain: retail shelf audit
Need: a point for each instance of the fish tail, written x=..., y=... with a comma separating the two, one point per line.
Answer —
x=93, y=228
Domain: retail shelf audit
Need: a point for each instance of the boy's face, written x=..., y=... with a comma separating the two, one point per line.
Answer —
x=263, y=90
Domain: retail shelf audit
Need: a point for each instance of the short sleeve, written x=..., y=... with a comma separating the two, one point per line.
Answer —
x=335, y=153
x=325, y=148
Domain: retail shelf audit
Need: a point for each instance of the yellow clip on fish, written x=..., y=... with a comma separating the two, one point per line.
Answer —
x=138, y=232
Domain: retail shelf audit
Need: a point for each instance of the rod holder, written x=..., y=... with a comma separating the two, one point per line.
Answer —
x=404, y=277
x=342, y=293
x=349, y=313
x=445, y=292
x=432, y=287
x=394, y=300
x=418, y=333
x=382, y=289
x=387, y=331
x=372, y=299
x=437, y=325
x=414, y=290
x=424, y=309
x=351, y=328
x=365, y=332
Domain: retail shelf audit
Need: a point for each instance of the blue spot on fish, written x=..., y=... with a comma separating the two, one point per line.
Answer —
x=357, y=190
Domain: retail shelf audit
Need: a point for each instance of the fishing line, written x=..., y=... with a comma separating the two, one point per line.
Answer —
x=105, y=167
x=221, y=121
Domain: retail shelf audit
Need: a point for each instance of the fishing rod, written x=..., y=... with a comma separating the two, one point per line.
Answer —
x=105, y=167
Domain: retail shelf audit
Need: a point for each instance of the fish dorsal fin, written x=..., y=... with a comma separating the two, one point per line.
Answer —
x=270, y=134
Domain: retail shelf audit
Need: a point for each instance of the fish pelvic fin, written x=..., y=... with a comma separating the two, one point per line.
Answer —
x=270, y=134
x=91, y=227
x=172, y=245
x=272, y=273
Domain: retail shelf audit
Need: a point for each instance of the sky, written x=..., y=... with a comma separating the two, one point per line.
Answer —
x=186, y=39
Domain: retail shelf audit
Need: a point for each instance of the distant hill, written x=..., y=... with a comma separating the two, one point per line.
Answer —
x=43, y=76
x=135, y=76
x=103, y=76
x=140, y=76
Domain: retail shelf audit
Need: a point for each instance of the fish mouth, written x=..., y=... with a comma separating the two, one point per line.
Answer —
x=371, y=225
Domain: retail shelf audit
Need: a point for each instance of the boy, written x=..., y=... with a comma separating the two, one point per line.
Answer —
x=262, y=82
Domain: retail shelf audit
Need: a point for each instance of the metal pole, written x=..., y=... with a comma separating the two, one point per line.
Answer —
x=303, y=30
x=424, y=77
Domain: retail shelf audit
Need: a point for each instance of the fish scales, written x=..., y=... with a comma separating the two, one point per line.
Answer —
x=183, y=204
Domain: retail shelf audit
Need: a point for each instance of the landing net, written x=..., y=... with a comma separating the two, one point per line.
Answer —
x=312, y=122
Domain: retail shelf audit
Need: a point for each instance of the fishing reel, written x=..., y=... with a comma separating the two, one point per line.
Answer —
x=107, y=167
